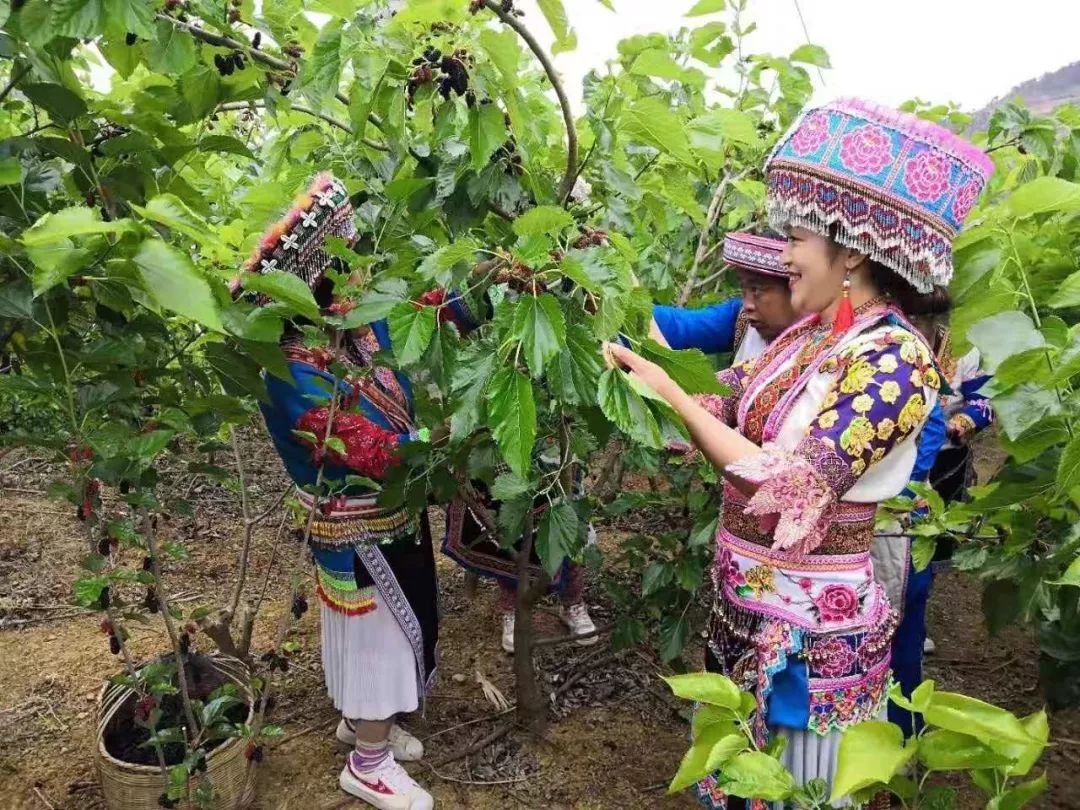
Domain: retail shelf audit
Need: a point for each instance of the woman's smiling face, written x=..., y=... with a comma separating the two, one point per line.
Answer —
x=815, y=268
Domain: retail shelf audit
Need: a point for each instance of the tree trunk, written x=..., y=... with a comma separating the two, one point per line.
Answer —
x=531, y=705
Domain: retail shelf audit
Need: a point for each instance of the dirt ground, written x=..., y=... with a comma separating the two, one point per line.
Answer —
x=615, y=739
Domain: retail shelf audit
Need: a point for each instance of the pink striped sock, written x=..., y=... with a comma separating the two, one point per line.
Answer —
x=369, y=756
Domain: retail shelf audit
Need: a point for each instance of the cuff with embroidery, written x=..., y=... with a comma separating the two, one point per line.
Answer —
x=961, y=427
x=792, y=499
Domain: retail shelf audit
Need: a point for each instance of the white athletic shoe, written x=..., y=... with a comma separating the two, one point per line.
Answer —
x=508, y=632
x=403, y=745
x=576, y=617
x=386, y=787
x=929, y=647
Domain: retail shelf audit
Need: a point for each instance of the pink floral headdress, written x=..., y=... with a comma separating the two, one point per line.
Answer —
x=883, y=182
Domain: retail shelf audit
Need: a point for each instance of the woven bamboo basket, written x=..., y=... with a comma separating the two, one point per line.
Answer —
x=128, y=786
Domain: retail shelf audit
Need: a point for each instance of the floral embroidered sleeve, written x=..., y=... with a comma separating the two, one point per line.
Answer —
x=368, y=448
x=976, y=413
x=723, y=406
x=879, y=400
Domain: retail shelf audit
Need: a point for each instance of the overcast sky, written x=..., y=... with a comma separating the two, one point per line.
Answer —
x=967, y=51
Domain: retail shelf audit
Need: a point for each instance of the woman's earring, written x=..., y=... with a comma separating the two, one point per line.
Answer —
x=845, y=314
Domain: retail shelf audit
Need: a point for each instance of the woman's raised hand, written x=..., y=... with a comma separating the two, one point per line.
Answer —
x=652, y=375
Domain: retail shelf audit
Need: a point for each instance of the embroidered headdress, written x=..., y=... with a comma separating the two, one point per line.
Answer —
x=883, y=182
x=752, y=252
x=296, y=243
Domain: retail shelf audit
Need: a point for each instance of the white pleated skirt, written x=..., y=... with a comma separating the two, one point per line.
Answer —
x=369, y=665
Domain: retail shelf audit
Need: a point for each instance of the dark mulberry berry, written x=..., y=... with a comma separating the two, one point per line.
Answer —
x=445, y=86
x=17, y=4
x=299, y=605
x=125, y=486
x=238, y=60
x=254, y=753
x=234, y=16
x=114, y=645
x=147, y=564
x=200, y=763
x=461, y=83
x=219, y=63
x=103, y=545
x=131, y=39
x=164, y=801
x=507, y=6
x=419, y=60
x=185, y=643
x=104, y=599
x=470, y=98
x=151, y=602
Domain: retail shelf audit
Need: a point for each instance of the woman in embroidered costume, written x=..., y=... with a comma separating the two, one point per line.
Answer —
x=745, y=325
x=821, y=427
x=375, y=568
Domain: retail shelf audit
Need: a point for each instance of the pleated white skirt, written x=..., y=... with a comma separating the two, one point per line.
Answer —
x=369, y=664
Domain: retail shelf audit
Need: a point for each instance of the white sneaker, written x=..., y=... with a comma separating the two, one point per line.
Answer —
x=576, y=617
x=403, y=745
x=929, y=647
x=386, y=787
x=508, y=632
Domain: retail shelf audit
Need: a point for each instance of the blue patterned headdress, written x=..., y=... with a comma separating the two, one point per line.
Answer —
x=883, y=182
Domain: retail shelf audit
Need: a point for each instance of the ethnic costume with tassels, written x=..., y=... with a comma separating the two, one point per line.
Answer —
x=375, y=568
x=798, y=618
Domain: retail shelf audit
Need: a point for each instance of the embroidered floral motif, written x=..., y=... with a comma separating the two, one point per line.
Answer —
x=812, y=133
x=866, y=150
x=837, y=603
x=859, y=434
x=858, y=377
x=828, y=419
x=890, y=390
x=912, y=414
x=760, y=579
x=887, y=364
x=926, y=176
x=369, y=449
x=965, y=199
x=833, y=658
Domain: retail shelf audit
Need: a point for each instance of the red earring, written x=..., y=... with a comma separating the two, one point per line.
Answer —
x=845, y=313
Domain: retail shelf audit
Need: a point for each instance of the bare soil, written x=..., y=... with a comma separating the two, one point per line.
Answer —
x=616, y=736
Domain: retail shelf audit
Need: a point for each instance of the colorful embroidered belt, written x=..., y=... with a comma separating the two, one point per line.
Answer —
x=821, y=593
x=341, y=522
x=851, y=529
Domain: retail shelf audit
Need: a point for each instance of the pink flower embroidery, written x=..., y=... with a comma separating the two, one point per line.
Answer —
x=837, y=603
x=728, y=569
x=833, y=658
x=965, y=199
x=812, y=133
x=806, y=583
x=866, y=150
x=926, y=176
x=873, y=650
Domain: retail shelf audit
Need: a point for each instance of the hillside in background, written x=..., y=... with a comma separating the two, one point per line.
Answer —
x=1042, y=94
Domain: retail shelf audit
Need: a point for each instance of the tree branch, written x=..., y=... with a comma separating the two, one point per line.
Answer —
x=16, y=77
x=567, y=184
x=236, y=106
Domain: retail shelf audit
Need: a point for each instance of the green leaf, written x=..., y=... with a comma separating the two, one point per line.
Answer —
x=544, y=220
x=1034, y=441
x=555, y=14
x=1044, y=195
x=239, y=374
x=871, y=753
x=16, y=300
x=626, y=408
x=78, y=19
x=174, y=53
x=720, y=127
x=990, y=724
x=503, y=49
x=411, y=330
x=1068, y=474
x=541, y=327
x=376, y=303
x=172, y=212
x=943, y=750
x=703, y=7
x=754, y=774
x=57, y=265
x=706, y=687
x=69, y=222
x=135, y=16
x=575, y=372
x=658, y=63
x=436, y=266
x=508, y=485
x=1068, y=293
x=1003, y=335
x=322, y=70
x=1025, y=756
x=10, y=171
x=689, y=368
x=1071, y=575
x=657, y=575
x=512, y=417
x=225, y=143
x=557, y=535
x=811, y=55
x=1020, y=796
x=199, y=87
x=653, y=123
x=487, y=132
x=285, y=288
x=175, y=284
x=707, y=753
x=88, y=590
x=1024, y=406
